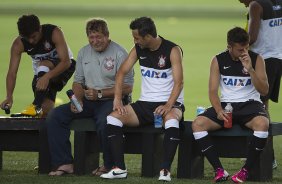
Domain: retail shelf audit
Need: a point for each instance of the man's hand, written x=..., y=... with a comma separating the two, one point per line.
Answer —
x=91, y=94
x=73, y=109
x=163, y=109
x=246, y=61
x=7, y=102
x=221, y=115
x=42, y=83
x=118, y=106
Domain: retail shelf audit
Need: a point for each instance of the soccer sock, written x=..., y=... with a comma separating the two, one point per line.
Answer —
x=40, y=95
x=207, y=148
x=256, y=146
x=116, y=141
x=171, y=141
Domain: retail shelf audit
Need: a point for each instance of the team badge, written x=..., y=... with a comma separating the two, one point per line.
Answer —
x=245, y=71
x=109, y=63
x=161, y=62
x=47, y=45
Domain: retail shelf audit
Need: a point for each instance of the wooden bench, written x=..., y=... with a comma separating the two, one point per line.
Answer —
x=29, y=134
x=232, y=143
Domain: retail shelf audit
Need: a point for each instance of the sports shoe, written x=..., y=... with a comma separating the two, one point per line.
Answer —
x=32, y=111
x=164, y=175
x=274, y=164
x=220, y=175
x=240, y=176
x=115, y=173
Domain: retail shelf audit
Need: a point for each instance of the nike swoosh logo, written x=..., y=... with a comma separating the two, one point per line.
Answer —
x=258, y=149
x=111, y=136
x=29, y=50
x=142, y=57
x=86, y=63
x=206, y=149
x=226, y=67
x=174, y=139
x=116, y=174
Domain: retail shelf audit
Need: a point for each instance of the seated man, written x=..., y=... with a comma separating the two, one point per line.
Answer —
x=94, y=79
x=52, y=63
x=242, y=79
x=162, y=93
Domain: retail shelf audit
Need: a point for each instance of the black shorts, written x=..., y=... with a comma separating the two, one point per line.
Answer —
x=243, y=112
x=144, y=110
x=56, y=84
x=273, y=69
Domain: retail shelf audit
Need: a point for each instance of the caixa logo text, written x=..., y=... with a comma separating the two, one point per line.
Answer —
x=236, y=82
x=275, y=22
x=153, y=74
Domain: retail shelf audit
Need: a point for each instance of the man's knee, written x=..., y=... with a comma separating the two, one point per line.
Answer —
x=198, y=124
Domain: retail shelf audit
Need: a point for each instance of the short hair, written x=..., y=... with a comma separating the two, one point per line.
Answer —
x=97, y=25
x=144, y=25
x=237, y=35
x=28, y=24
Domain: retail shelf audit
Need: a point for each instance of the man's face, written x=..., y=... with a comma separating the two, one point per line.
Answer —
x=236, y=50
x=33, y=38
x=141, y=41
x=98, y=41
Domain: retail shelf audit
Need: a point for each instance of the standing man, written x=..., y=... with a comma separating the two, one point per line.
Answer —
x=93, y=86
x=52, y=61
x=265, y=30
x=241, y=76
x=161, y=93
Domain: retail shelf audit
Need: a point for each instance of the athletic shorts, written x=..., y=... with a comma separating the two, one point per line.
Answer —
x=56, y=84
x=243, y=112
x=273, y=68
x=144, y=110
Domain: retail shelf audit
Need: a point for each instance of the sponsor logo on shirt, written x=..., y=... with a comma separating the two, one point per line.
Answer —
x=236, y=82
x=275, y=22
x=153, y=74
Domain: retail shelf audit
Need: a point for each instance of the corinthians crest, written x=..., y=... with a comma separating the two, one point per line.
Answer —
x=47, y=45
x=109, y=63
x=161, y=62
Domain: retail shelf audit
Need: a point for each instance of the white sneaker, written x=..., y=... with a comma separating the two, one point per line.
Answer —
x=164, y=175
x=115, y=173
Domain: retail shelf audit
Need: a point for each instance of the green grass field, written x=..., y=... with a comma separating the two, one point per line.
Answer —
x=198, y=26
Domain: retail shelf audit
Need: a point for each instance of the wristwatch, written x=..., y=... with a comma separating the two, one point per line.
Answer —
x=99, y=94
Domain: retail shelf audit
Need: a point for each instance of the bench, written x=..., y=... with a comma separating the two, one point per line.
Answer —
x=29, y=134
x=232, y=143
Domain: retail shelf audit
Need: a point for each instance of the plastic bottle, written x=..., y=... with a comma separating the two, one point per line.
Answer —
x=228, y=110
x=200, y=110
x=158, y=120
x=7, y=109
x=74, y=100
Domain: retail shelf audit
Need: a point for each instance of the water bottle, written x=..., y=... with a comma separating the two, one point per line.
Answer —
x=228, y=110
x=200, y=110
x=158, y=120
x=74, y=100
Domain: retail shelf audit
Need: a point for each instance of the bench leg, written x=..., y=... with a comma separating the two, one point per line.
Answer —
x=262, y=170
x=86, y=152
x=152, y=154
x=44, y=158
x=1, y=160
x=190, y=162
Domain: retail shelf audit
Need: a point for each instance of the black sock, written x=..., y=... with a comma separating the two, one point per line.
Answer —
x=209, y=151
x=115, y=137
x=39, y=95
x=256, y=146
x=171, y=141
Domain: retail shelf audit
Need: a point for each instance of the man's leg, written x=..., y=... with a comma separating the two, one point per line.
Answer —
x=201, y=125
x=115, y=122
x=102, y=110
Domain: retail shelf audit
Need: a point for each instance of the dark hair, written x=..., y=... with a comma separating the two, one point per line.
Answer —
x=144, y=25
x=97, y=25
x=237, y=35
x=28, y=24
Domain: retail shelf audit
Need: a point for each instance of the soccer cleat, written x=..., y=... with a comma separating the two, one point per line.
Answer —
x=32, y=111
x=240, y=176
x=164, y=175
x=220, y=175
x=115, y=173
